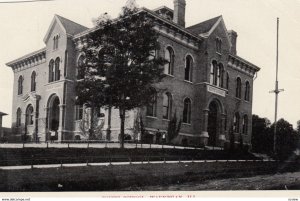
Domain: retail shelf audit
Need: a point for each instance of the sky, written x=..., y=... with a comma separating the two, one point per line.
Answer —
x=24, y=25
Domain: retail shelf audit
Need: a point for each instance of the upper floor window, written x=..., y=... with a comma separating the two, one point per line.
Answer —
x=238, y=90
x=20, y=85
x=54, y=72
x=218, y=45
x=169, y=56
x=236, y=123
x=213, y=73
x=80, y=68
x=227, y=81
x=33, y=81
x=29, y=115
x=55, y=42
x=167, y=105
x=220, y=75
x=187, y=111
x=188, y=68
x=57, y=71
x=18, y=119
x=151, y=108
x=51, y=70
x=247, y=91
x=245, y=124
x=217, y=74
x=78, y=112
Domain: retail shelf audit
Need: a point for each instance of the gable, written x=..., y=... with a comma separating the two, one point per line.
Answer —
x=67, y=26
x=55, y=22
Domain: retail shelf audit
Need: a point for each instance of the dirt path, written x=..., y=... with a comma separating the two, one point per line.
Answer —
x=286, y=181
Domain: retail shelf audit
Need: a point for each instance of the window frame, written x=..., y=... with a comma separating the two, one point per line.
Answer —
x=188, y=69
x=238, y=90
x=33, y=81
x=169, y=66
x=187, y=111
x=168, y=107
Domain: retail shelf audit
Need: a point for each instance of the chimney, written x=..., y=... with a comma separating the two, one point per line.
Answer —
x=179, y=12
x=232, y=37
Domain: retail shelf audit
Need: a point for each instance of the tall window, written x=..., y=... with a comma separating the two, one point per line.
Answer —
x=227, y=81
x=167, y=105
x=169, y=56
x=238, y=90
x=218, y=45
x=57, y=71
x=18, y=120
x=245, y=124
x=188, y=68
x=220, y=75
x=78, y=112
x=51, y=71
x=55, y=42
x=29, y=115
x=247, y=91
x=80, y=68
x=213, y=73
x=236, y=123
x=33, y=81
x=151, y=108
x=187, y=111
x=20, y=85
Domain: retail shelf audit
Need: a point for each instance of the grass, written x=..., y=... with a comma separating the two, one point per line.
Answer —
x=27, y=156
x=130, y=177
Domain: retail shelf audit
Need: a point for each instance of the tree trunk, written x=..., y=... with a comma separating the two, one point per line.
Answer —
x=92, y=124
x=122, y=117
x=108, y=131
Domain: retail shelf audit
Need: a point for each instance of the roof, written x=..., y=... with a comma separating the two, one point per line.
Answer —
x=43, y=50
x=203, y=27
x=71, y=27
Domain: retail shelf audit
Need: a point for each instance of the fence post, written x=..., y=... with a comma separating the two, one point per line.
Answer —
x=68, y=145
x=150, y=145
x=87, y=162
x=23, y=145
x=61, y=164
x=88, y=145
x=47, y=144
x=105, y=143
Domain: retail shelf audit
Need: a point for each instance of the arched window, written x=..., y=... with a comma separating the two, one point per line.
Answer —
x=169, y=56
x=213, y=73
x=187, y=111
x=151, y=108
x=20, y=85
x=80, y=68
x=55, y=42
x=247, y=91
x=238, y=88
x=218, y=45
x=236, y=123
x=33, y=81
x=57, y=71
x=220, y=75
x=245, y=124
x=188, y=68
x=18, y=119
x=51, y=71
x=29, y=115
x=227, y=81
x=167, y=105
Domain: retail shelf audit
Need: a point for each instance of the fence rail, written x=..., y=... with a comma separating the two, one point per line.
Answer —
x=101, y=144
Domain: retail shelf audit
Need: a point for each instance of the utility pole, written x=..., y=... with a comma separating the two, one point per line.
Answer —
x=276, y=91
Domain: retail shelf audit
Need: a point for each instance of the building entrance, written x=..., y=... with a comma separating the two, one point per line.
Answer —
x=212, y=124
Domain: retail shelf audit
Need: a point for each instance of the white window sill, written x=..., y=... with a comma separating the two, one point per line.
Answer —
x=151, y=117
x=169, y=75
x=187, y=124
x=187, y=81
